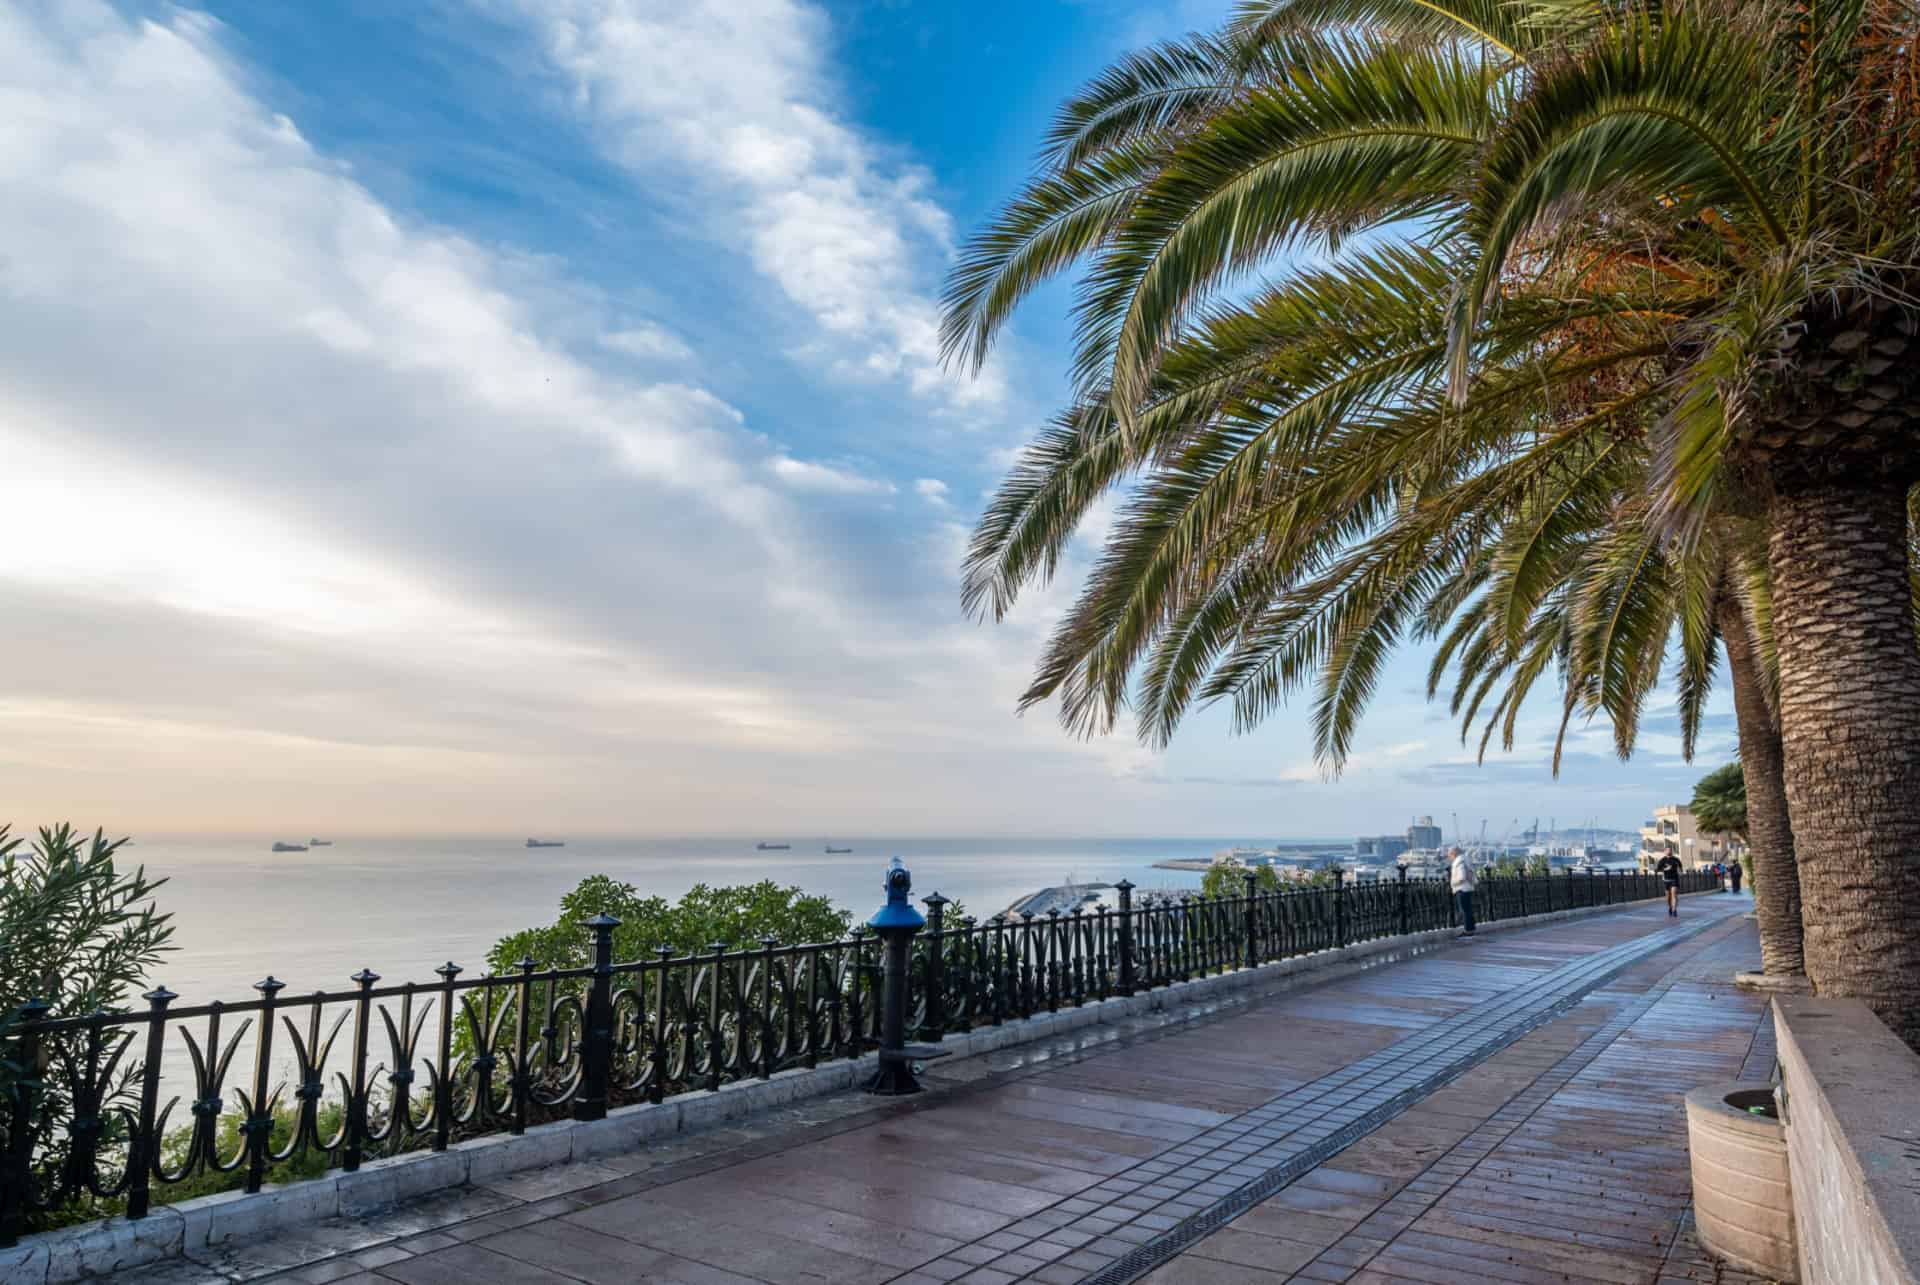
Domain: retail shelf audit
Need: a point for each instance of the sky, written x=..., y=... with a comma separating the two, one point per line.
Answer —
x=526, y=416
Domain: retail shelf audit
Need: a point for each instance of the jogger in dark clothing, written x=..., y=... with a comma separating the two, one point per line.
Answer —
x=1668, y=868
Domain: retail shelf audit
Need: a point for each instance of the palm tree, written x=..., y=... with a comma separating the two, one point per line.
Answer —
x=1720, y=801
x=1786, y=143
x=1571, y=241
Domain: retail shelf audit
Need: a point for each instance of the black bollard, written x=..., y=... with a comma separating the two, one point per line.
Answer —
x=895, y=924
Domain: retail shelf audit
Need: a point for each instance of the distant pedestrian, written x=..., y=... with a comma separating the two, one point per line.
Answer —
x=1462, y=877
x=1668, y=868
x=1734, y=871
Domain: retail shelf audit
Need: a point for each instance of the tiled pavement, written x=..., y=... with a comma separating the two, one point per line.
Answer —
x=1561, y=1159
x=1506, y=1111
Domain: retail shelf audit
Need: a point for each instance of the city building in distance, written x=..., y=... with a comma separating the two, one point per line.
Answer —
x=1674, y=830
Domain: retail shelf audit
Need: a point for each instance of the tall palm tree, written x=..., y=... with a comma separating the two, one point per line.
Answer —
x=1786, y=140
x=1560, y=206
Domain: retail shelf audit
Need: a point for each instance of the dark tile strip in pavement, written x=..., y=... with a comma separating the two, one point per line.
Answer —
x=1149, y=1213
x=1351, y=1254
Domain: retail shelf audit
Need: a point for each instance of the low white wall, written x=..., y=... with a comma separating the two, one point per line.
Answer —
x=110, y=1244
x=1850, y=1095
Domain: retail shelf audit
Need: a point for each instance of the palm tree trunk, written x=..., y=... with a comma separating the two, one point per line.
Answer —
x=1776, y=878
x=1850, y=728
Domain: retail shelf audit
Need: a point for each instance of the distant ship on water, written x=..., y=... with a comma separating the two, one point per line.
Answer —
x=319, y=843
x=831, y=849
x=545, y=843
x=773, y=847
x=289, y=847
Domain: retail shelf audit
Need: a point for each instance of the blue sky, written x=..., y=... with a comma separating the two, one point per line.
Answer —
x=525, y=415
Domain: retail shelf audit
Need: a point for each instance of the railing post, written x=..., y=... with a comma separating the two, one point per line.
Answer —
x=1339, y=906
x=16, y=1166
x=1523, y=892
x=1252, y=920
x=258, y=1126
x=144, y=1146
x=1406, y=918
x=1050, y=977
x=657, y=1055
x=522, y=1083
x=935, y=1026
x=443, y=1077
x=596, y=1038
x=360, y=1089
x=1126, y=937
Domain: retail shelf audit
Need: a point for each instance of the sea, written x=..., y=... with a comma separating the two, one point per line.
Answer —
x=404, y=906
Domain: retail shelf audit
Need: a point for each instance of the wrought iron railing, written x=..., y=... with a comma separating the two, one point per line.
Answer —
x=350, y=1075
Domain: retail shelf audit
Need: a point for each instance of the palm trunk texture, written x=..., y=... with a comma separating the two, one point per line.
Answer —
x=1850, y=728
x=1776, y=877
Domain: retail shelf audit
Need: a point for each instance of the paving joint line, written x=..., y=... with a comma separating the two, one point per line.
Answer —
x=1581, y=978
x=1562, y=1074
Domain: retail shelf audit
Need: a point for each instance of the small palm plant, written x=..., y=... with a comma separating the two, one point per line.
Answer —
x=1720, y=801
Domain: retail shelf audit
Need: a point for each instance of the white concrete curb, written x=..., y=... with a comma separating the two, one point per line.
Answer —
x=113, y=1244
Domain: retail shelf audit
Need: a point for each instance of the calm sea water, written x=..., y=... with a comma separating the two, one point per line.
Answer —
x=403, y=906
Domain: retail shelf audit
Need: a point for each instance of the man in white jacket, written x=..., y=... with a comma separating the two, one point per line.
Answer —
x=1462, y=875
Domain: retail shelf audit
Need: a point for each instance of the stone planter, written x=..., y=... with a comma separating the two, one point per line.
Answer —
x=1742, y=1199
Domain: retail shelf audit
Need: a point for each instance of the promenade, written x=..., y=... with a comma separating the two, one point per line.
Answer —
x=1502, y=1111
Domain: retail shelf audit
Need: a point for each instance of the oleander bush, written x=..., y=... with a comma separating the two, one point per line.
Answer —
x=78, y=933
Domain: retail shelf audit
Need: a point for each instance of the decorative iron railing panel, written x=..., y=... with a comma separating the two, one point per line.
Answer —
x=341, y=1077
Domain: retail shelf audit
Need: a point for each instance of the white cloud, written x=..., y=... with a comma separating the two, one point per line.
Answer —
x=314, y=504
x=309, y=477
x=808, y=475
x=649, y=342
x=736, y=97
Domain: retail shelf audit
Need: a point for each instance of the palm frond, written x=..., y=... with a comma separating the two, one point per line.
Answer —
x=1367, y=134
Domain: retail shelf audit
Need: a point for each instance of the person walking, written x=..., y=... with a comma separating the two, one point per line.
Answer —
x=1734, y=872
x=1668, y=868
x=1461, y=873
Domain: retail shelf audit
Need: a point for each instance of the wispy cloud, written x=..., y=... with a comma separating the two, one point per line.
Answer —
x=809, y=475
x=648, y=342
x=736, y=97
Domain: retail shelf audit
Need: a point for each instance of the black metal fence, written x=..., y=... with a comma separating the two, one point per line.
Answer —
x=350, y=1075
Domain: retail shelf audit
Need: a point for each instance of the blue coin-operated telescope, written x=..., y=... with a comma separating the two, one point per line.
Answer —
x=895, y=924
x=898, y=914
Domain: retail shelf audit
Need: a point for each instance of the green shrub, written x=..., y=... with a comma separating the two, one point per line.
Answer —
x=77, y=935
x=738, y=916
x=1230, y=880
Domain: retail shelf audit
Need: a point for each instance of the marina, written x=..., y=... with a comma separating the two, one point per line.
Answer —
x=1063, y=899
